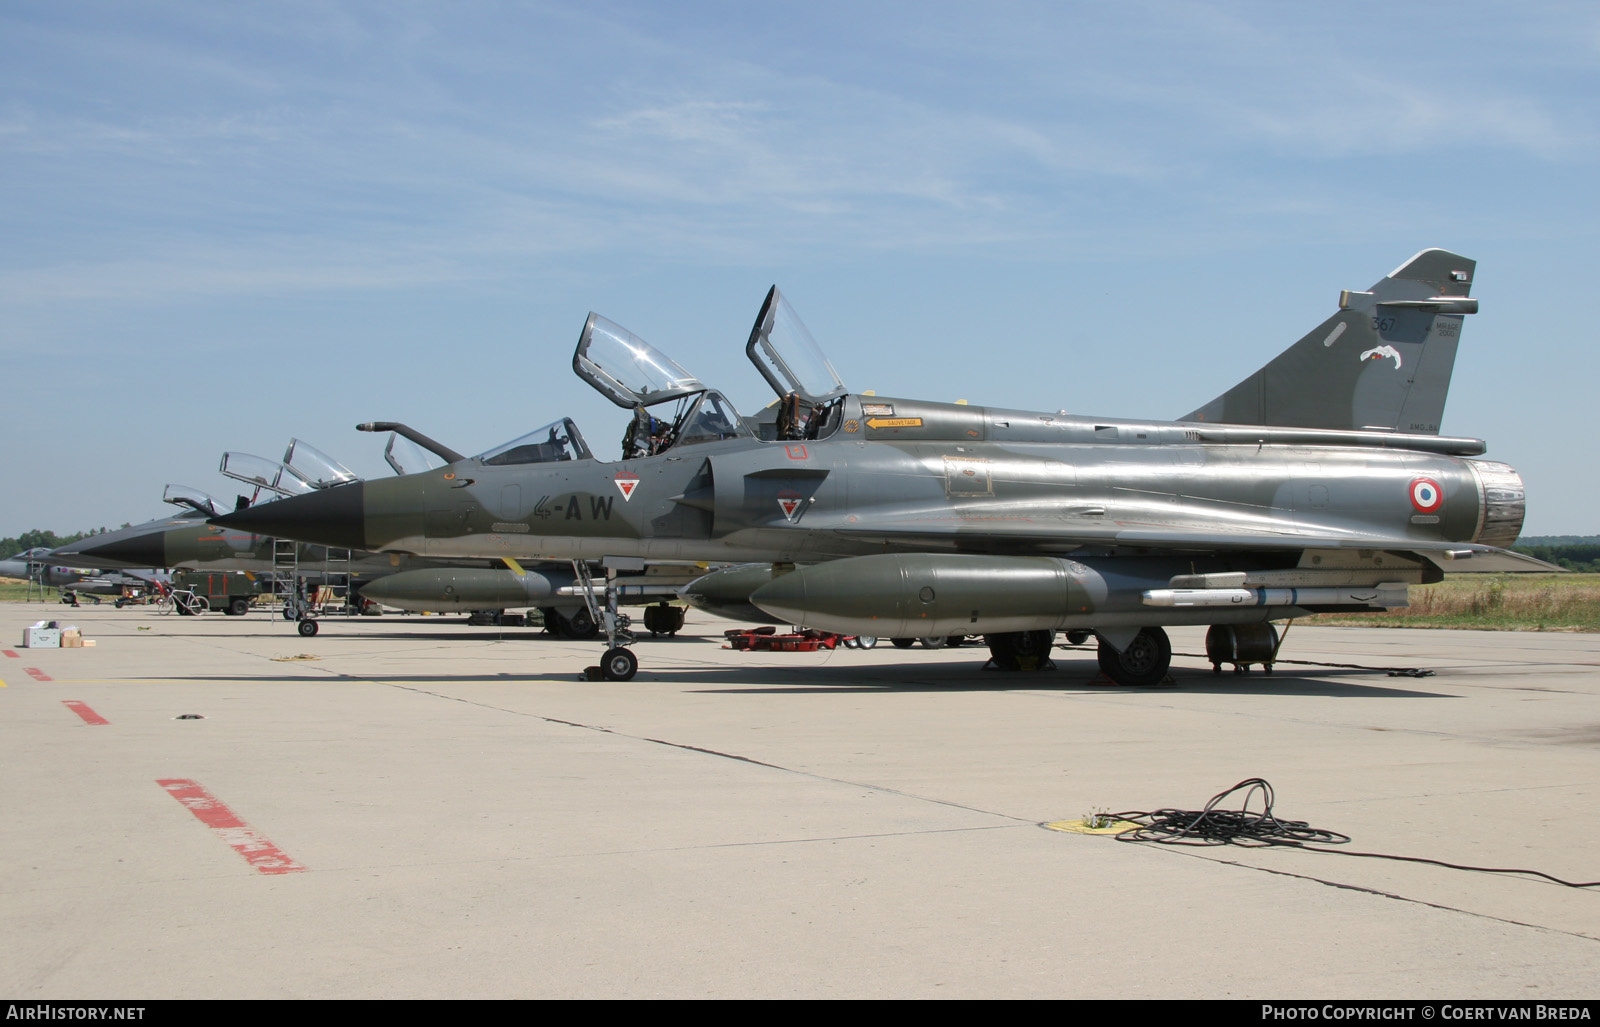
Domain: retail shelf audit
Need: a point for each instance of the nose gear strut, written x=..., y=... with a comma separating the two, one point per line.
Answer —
x=618, y=663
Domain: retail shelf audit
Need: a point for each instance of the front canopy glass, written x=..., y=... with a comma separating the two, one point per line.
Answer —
x=406, y=457
x=194, y=499
x=556, y=441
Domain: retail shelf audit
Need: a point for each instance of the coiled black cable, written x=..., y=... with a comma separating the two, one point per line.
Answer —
x=1211, y=826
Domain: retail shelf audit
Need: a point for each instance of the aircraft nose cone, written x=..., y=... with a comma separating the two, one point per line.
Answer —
x=143, y=550
x=328, y=517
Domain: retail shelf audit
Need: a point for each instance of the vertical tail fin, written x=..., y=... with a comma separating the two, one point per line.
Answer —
x=1383, y=362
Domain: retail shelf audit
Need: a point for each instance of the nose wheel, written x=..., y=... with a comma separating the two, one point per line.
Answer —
x=619, y=664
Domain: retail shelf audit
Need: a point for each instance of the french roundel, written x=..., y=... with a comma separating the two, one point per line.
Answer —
x=1426, y=495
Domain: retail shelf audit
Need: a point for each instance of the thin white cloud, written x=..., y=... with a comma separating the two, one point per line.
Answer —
x=317, y=161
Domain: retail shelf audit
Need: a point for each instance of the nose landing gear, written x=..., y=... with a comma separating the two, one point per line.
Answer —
x=618, y=663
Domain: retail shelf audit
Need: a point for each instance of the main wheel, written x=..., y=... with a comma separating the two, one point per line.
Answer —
x=308, y=627
x=580, y=625
x=903, y=643
x=1020, y=650
x=619, y=664
x=1143, y=664
x=866, y=641
x=935, y=642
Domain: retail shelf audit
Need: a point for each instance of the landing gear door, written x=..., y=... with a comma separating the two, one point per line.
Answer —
x=788, y=357
x=627, y=370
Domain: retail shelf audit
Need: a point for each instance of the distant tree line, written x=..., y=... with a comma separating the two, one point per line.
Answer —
x=1574, y=552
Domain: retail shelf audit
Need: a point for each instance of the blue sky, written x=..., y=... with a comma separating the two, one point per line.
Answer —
x=223, y=225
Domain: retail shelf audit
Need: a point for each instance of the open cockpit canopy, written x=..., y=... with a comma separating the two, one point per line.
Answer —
x=788, y=357
x=316, y=467
x=627, y=370
x=810, y=392
x=265, y=474
x=636, y=376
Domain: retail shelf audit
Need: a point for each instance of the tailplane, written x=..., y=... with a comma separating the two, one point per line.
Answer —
x=1382, y=363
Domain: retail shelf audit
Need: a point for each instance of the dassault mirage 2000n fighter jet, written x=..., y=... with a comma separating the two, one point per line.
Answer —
x=1319, y=483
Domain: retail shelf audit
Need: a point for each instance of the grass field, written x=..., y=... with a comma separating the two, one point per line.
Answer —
x=12, y=590
x=1492, y=602
x=1483, y=602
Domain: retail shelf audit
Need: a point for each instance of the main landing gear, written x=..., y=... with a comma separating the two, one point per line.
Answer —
x=1143, y=664
x=581, y=626
x=1020, y=650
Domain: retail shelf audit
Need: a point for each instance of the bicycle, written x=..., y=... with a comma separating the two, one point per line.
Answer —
x=184, y=600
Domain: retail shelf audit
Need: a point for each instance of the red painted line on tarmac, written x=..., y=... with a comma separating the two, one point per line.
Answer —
x=82, y=709
x=11, y=653
x=266, y=857
x=37, y=674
